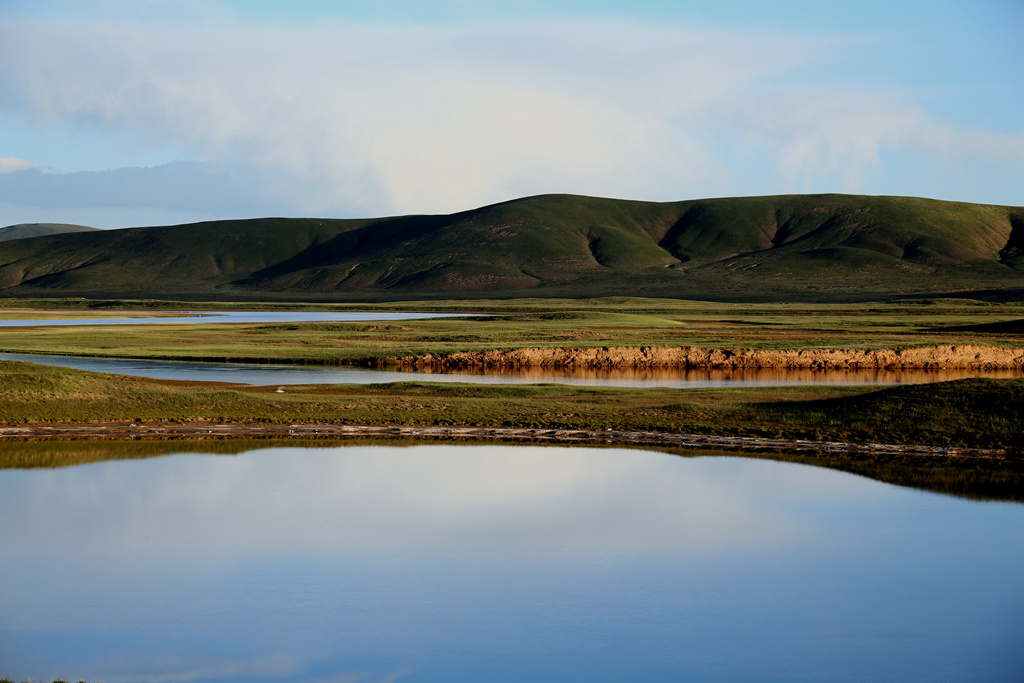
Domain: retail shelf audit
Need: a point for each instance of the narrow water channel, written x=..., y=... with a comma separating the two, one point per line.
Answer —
x=205, y=317
x=283, y=375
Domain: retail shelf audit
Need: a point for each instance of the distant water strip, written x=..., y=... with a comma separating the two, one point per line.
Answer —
x=251, y=317
x=281, y=374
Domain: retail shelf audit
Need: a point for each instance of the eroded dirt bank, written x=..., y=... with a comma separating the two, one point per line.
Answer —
x=932, y=357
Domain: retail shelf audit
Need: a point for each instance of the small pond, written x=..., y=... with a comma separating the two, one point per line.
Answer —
x=498, y=563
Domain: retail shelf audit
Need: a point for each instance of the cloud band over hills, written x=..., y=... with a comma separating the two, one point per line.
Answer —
x=353, y=119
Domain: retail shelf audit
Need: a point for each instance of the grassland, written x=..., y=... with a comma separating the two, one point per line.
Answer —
x=972, y=413
x=520, y=323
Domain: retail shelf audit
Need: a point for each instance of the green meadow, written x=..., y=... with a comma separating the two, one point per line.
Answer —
x=515, y=323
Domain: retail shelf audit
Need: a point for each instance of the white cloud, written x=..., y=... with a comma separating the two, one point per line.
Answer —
x=439, y=500
x=106, y=217
x=11, y=165
x=181, y=670
x=174, y=193
x=374, y=119
x=843, y=134
x=398, y=119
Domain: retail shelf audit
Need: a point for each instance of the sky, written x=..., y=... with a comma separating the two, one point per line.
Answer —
x=118, y=113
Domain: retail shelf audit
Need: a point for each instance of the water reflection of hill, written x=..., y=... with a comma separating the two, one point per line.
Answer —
x=981, y=479
x=963, y=477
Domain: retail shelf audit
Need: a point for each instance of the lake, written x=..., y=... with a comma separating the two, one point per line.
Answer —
x=498, y=563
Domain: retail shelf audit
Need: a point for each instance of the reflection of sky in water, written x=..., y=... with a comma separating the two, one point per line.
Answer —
x=259, y=374
x=499, y=563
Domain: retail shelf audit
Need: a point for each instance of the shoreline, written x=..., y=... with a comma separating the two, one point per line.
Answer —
x=976, y=357
x=199, y=431
x=948, y=356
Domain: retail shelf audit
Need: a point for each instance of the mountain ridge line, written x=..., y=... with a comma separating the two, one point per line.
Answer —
x=781, y=247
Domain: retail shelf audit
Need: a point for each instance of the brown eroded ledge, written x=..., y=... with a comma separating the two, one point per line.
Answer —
x=961, y=356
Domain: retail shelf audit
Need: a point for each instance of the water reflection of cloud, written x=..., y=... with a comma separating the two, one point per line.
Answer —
x=452, y=499
x=262, y=667
x=166, y=671
x=381, y=561
x=367, y=677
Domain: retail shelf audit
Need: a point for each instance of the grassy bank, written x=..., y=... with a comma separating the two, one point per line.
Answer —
x=531, y=323
x=973, y=413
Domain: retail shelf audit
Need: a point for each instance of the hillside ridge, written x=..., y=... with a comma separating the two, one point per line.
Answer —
x=550, y=245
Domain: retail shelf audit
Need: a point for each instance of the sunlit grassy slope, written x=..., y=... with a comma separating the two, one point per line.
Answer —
x=813, y=247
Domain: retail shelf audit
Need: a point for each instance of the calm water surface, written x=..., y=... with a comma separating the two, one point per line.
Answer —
x=468, y=563
x=269, y=374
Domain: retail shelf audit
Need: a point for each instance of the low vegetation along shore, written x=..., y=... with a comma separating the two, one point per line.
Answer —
x=971, y=413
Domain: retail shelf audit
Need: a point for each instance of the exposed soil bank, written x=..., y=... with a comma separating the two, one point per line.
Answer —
x=120, y=430
x=928, y=358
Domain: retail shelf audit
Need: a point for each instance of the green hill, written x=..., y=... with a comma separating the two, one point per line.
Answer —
x=809, y=246
x=23, y=230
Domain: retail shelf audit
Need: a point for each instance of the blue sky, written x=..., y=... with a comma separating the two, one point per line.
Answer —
x=117, y=113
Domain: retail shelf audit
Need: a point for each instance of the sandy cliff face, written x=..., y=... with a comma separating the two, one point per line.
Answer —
x=934, y=357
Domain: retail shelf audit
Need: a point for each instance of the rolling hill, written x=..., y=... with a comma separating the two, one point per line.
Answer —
x=783, y=247
x=23, y=230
